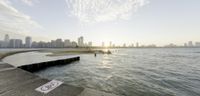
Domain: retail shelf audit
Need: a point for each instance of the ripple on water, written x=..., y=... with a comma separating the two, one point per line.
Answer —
x=135, y=72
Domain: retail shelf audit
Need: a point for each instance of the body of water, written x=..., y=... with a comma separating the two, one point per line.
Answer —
x=135, y=72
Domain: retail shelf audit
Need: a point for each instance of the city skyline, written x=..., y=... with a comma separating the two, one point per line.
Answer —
x=144, y=21
x=8, y=42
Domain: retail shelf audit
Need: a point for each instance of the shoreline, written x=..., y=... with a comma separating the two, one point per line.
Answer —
x=6, y=54
x=57, y=52
x=77, y=52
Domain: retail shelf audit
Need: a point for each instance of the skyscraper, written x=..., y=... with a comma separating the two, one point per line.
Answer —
x=190, y=44
x=103, y=44
x=6, y=38
x=197, y=44
x=90, y=44
x=18, y=43
x=124, y=45
x=81, y=41
x=110, y=45
x=137, y=44
x=28, y=42
x=6, y=41
x=185, y=44
x=74, y=44
x=12, y=43
x=15, y=43
x=59, y=43
x=67, y=43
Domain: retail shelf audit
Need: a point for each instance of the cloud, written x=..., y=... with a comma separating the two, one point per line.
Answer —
x=91, y=11
x=11, y=20
x=29, y=2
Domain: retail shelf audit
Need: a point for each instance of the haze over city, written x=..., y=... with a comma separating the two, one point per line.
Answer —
x=119, y=21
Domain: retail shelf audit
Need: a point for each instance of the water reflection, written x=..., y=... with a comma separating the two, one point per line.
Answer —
x=106, y=61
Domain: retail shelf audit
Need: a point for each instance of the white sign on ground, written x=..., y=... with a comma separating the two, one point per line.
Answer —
x=46, y=88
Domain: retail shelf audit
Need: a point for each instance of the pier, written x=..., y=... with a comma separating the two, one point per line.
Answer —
x=42, y=65
x=18, y=82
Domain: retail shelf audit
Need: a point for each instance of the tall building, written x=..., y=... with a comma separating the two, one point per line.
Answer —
x=103, y=44
x=185, y=44
x=190, y=44
x=124, y=45
x=137, y=44
x=53, y=43
x=67, y=43
x=12, y=43
x=197, y=44
x=6, y=38
x=28, y=42
x=5, y=44
x=1, y=44
x=18, y=43
x=90, y=44
x=59, y=43
x=113, y=45
x=81, y=41
x=15, y=43
x=34, y=44
x=110, y=44
x=74, y=44
x=132, y=45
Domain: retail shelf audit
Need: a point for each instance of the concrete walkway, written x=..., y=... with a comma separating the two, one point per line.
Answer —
x=17, y=82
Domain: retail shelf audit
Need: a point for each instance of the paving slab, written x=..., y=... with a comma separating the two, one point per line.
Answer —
x=17, y=82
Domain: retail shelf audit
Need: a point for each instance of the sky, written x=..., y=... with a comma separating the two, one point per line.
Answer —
x=157, y=22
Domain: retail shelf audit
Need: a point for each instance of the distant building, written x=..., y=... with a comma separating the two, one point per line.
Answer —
x=48, y=45
x=5, y=44
x=67, y=43
x=53, y=43
x=113, y=45
x=12, y=43
x=74, y=44
x=1, y=44
x=151, y=46
x=132, y=45
x=15, y=43
x=190, y=44
x=90, y=44
x=81, y=41
x=28, y=42
x=110, y=44
x=18, y=43
x=185, y=44
x=6, y=39
x=197, y=44
x=137, y=44
x=41, y=44
x=124, y=45
x=85, y=44
x=171, y=45
x=34, y=45
x=59, y=43
x=103, y=44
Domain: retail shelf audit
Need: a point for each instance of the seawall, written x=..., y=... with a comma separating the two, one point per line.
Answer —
x=39, y=66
